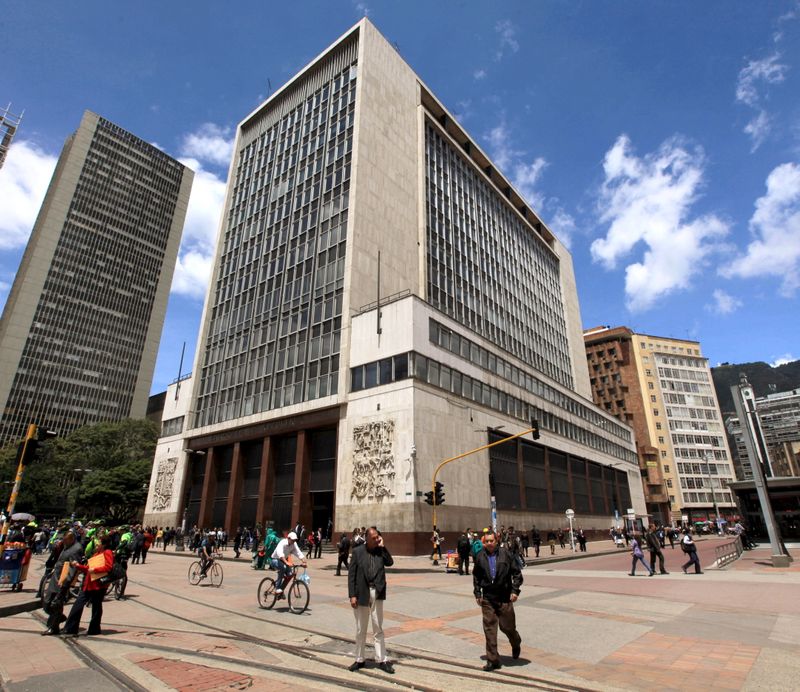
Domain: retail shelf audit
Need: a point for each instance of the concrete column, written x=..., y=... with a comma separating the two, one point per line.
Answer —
x=520, y=476
x=589, y=489
x=266, y=483
x=569, y=482
x=301, y=502
x=548, y=479
x=234, y=490
x=209, y=491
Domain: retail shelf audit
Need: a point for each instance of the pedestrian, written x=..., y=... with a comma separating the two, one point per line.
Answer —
x=237, y=543
x=147, y=541
x=310, y=545
x=637, y=556
x=561, y=537
x=525, y=543
x=688, y=546
x=329, y=530
x=536, y=539
x=496, y=582
x=93, y=590
x=57, y=589
x=358, y=537
x=463, y=547
x=654, y=546
x=551, y=541
x=343, y=551
x=582, y=540
x=138, y=542
x=159, y=536
x=366, y=587
x=318, y=544
x=436, y=542
x=671, y=536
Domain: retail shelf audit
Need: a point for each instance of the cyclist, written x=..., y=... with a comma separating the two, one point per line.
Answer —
x=208, y=547
x=280, y=559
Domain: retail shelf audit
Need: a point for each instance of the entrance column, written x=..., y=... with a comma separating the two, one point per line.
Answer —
x=266, y=483
x=548, y=479
x=233, y=507
x=209, y=490
x=301, y=502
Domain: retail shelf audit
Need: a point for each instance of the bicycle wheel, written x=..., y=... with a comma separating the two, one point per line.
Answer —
x=119, y=588
x=266, y=593
x=215, y=574
x=298, y=597
x=194, y=573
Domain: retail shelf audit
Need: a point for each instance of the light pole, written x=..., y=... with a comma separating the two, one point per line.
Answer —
x=717, y=521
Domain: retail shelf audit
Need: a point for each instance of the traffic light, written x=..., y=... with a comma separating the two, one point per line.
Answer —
x=33, y=441
x=535, y=429
x=439, y=493
x=429, y=497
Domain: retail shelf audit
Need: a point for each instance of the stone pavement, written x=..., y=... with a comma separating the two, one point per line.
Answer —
x=584, y=622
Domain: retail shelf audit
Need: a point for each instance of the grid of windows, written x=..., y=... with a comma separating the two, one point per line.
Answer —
x=274, y=331
x=486, y=268
x=82, y=356
x=483, y=358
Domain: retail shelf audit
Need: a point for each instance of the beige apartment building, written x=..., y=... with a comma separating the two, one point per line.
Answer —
x=383, y=299
x=81, y=327
x=662, y=387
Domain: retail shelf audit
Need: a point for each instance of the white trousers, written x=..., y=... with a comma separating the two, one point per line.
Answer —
x=363, y=614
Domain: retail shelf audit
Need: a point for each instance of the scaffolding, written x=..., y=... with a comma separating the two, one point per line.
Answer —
x=8, y=128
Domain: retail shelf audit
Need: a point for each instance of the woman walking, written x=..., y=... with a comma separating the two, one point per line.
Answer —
x=637, y=556
x=93, y=590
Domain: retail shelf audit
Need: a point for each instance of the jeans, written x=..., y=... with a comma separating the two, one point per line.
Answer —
x=284, y=570
x=693, y=560
x=637, y=558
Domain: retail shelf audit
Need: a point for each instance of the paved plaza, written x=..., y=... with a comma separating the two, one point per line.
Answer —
x=585, y=624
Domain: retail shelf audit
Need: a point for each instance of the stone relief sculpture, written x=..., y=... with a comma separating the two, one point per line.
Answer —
x=165, y=478
x=373, y=461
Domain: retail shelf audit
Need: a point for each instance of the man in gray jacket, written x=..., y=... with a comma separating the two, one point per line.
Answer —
x=56, y=591
x=366, y=587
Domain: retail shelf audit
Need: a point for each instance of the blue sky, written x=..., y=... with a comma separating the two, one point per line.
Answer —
x=661, y=140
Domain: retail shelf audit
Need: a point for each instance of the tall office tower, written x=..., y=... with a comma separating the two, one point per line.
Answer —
x=662, y=387
x=382, y=300
x=8, y=128
x=779, y=414
x=80, y=330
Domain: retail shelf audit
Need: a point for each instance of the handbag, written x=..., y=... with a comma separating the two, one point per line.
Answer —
x=116, y=573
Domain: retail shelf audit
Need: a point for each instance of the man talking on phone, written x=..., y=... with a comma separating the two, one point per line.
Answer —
x=366, y=586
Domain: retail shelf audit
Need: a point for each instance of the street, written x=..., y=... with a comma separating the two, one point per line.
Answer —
x=585, y=624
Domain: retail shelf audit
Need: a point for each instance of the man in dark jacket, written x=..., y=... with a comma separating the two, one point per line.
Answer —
x=654, y=546
x=464, y=546
x=55, y=593
x=366, y=586
x=496, y=580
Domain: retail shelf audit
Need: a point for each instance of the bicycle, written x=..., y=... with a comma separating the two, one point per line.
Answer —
x=296, y=591
x=213, y=572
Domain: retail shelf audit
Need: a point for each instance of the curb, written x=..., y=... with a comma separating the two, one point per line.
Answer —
x=17, y=608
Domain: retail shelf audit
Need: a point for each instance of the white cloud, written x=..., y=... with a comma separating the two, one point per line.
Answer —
x=479, y=74
x=362, y=8
x=23, y=183
x=767, y=70
x=196, y=254
x=758, y=128
x=648, y=200
x=724, y=304
x=775, y=225
x=508, y=42
x=210, y=144
x=563, y=225
x=783, y=360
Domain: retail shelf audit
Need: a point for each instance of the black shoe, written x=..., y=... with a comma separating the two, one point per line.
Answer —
x=684, y=570
x=631, y=574
x=48, y=632
x=515, y=651
x=491, y=665
x=652, y=574
x=665, y=573
x=698, y=572
x=69, y=634
x=386, y=667
x=355, y=665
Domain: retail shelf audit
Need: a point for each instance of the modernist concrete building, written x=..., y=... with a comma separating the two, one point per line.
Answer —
x=80, y=330
x=663, y=388
x=382, y=300
x=779, y=414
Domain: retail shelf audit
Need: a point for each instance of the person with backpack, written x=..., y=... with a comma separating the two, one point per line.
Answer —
x=463, y=547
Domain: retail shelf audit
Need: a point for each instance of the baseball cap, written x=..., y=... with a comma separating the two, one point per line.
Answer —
x=292, y=535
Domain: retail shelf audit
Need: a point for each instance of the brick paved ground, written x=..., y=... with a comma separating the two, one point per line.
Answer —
x=582, y=621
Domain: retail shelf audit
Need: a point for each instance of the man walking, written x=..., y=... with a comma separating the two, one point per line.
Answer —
x=536, y=539
x=343, y=549
x=366, y=587
x=496, y=582
x=654, y=546
x=688, y=547
x=463, y=546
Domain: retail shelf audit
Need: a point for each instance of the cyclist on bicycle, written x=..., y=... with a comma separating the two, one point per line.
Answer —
x=280, y=559
x=121, y=555
x=206, y=552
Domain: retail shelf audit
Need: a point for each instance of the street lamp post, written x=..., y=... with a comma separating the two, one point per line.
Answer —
x=708, y=458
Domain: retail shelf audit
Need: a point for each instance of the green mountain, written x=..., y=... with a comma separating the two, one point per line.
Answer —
x=762, y=376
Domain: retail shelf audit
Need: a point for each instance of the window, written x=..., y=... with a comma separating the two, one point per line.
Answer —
x=655, y=412
x=653, y=399
x=666, y=468
x=661, y=439
x=663, y=454
x=650, y=385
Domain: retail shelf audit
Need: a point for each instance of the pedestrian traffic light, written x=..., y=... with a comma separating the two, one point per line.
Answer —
x=429, y=497
x=535, y=428
x=439, y=493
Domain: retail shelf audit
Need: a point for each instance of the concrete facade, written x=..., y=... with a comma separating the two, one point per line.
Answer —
x=331, y=389
x=82, y=324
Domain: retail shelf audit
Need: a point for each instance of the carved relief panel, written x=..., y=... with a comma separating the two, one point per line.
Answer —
x=163, y=488
x=373, y=461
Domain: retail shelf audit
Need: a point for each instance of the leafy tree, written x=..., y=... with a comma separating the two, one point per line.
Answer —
x=97, y=470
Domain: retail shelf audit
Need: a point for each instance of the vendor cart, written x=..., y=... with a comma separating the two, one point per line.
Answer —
x=14, y=564
x=451, y=565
